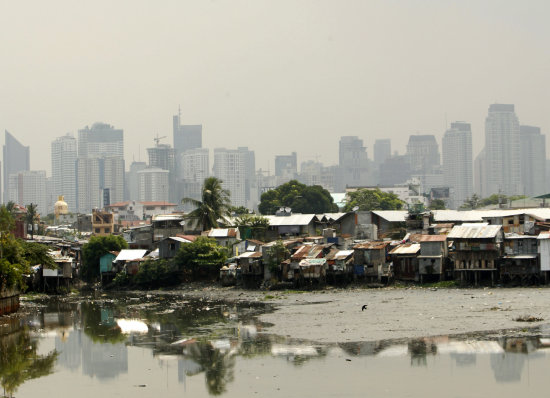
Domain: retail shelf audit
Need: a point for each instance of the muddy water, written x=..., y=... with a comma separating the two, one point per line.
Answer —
x=156, y=347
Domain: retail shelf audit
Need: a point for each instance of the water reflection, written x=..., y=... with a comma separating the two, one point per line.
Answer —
x=19, y=361
x=96, y=339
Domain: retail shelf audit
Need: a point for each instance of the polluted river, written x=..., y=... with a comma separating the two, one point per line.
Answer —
x=155, y=345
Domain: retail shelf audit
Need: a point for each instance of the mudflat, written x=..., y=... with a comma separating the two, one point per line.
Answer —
x=336, y=315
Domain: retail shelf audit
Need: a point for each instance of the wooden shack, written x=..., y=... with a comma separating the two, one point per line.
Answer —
x=371, y=260
x=405, y=261
x=433, y=254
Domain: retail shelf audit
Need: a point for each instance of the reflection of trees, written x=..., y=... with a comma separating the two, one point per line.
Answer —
x=99, y=324
x=19, y=361
x=419, y=350
x=218, y=366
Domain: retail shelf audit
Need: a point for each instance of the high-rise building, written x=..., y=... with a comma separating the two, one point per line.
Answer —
x=100, y=182
x=250, y=186
x=163, y=157
x=533, y=160
x=100, y=140
x=382, y=151
x=480, y=174
x=153, y=185
x=26, y=187
x=230, y=167
x=64, y=151
x=423, y=154
x=502, y=151
x=194, y=167
x=16, y=159
x=286, y=166
x=132, y=180
x=457, y=162
x=353, y=161
x=310, y=172
x=100, y=167
x=186, y=137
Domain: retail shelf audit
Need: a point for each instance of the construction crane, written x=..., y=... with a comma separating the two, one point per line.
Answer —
x=157, y=139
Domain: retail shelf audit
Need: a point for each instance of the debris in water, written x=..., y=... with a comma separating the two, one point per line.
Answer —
x=528, y=318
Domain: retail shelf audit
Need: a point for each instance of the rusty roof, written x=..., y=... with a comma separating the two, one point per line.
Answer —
x=433, y=238
x=374, y=245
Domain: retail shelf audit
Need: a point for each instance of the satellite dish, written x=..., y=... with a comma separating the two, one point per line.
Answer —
x=355, y=208
x=182, y=223
x=281, y=209
x=288, y=209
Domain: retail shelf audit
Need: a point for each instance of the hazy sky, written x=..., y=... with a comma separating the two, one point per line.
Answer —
x=277, y=76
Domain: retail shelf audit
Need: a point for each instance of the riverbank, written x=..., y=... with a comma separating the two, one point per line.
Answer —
x=336, y=315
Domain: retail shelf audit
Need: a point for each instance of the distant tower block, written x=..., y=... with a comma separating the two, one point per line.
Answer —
x=60, y=207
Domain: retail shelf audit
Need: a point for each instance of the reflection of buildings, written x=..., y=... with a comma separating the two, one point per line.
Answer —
x=507, y=367
x=103, y=361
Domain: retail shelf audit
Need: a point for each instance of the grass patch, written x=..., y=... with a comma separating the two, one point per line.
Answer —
x=269, y=297
x=443, y=284
x=294, y=291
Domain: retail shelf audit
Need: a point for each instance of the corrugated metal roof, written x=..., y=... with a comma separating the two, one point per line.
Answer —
x=433, y=238
x=222, y=233
x=441, y=216
x=130, y=254
x=335, y=216
x=301, y=252
x=250, y=255
x=343, y=254
x=179, y=239
x=168, y=217
x=406, y=248
x=375, y=245
x=306, y=262
x=521, y=256
x=474, y=232
x=293, y=219
x=392, y=215
x=513, y=235
x=544, y=235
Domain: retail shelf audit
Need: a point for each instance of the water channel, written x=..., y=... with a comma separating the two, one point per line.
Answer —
x=153, y=346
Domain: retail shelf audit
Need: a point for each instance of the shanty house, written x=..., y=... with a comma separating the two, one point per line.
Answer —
x=129, y=259
x=371, y=260
x=340, y=264
x=520, y=261
x=252, y=268
x=224, y=236
x=291, y=225
x=169, y=247
x=405, y=261
x=166, y=225
x=433, y=254
x=477, y=249
x=543, y=240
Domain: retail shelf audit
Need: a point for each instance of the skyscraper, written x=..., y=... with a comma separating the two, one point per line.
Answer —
x=230, y=167
x=153, y=185
x=186, y=137
x=423, y=154
x=132, y=180
x=100, y=166
x=353, y=162
x=16, y=159
x=502, y=150
x=64, y=151
x=286, y=165
x=457, y=162
x=194, y=168
x=26, y=187
x=163, y=156
x=101, y=140
x=382, y=151
x=533, y=160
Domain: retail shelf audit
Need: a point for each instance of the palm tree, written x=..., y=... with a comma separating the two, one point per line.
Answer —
x=213, y=205
x=32, y=217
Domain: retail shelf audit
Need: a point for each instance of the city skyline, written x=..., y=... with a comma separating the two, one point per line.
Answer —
x=270, y=75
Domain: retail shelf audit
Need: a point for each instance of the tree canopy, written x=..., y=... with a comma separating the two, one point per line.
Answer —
x=372, y=199
x=214, y=203
x=475, y=202
x=299, y=197
x=252, y=226
x=203, y=257
x=94, y=249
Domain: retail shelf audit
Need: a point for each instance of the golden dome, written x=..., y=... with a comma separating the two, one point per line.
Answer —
x=60, y=206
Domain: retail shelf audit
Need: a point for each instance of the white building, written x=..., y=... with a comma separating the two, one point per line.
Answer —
x=457, y=162
x=89, y=195
x=153, y=185
x=64, y=151
x=26, y=187
x=230, y=167
x=194, y=167
x=502, y=151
